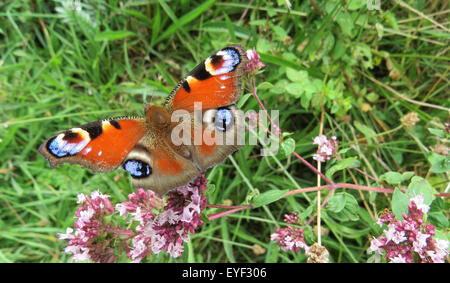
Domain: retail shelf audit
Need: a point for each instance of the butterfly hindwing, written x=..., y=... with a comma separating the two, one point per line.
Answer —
x=223, y=132
x=213, y=135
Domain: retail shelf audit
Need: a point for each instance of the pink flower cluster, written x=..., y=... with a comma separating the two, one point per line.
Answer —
x=158, y=227
x=290, y=238
x=411, y=239
x=170, y=228
x=327, y=148
x=93, y=238
x=254, y=63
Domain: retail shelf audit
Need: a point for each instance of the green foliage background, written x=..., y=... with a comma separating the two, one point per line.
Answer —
x=61, y=67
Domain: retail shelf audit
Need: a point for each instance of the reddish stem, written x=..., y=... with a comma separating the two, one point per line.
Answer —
x=365, y=174
x=220, y=214
x=279, y=131
x=225, y=206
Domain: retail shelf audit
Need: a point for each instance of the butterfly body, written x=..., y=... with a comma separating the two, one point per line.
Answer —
x=146, y=146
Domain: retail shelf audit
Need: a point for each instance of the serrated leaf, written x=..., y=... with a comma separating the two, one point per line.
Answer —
x=400, y=203
x=268, y=197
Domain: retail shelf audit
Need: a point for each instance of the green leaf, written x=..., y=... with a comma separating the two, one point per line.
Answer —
x=279, y=87
x=305, y=100
x=343, y=207
x=307, y=212
x=243, y=99
x=421, y=186
x=437, y=132
x=392, y=178
x=390, y=18
x=280, y=32
x=372, y=97
x=296, y=89
x=407, y=175
x=356, y=4
x=345, y=21
x=439, y=205
x=296, y=75
x=336, y=203
x=400, y=203
x=263, y=45
x=351, y=162
x=265, y=86
x=364, y=53
x=268, y=197
x=288, y=146
x=339, y=49
x=439, y=163
x=113, y=35
x=438, y=219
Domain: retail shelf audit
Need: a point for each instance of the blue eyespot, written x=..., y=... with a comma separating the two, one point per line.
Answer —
x=223, y=119
x=137, y=168
x=59, y=146
x=55, y=148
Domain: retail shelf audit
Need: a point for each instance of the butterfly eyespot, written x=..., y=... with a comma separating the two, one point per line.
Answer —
x=66, y=144
x=223, y=120
x=137, y=168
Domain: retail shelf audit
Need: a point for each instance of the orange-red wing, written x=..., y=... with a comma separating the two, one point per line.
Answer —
x=216, y=82
x=100, y=146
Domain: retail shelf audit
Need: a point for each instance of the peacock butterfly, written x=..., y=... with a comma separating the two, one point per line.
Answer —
x=144, y=146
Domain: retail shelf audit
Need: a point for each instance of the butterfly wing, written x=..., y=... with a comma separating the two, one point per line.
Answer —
x=100, y=146
x=223, y=134
x=213, y=135
x=215, y=82
x=154, y=165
